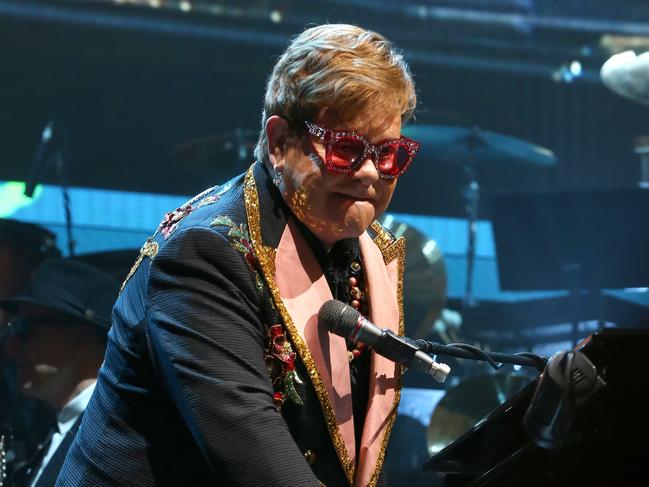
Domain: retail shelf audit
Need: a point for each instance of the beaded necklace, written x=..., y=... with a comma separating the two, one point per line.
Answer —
x=358, y=301
x=341, y=264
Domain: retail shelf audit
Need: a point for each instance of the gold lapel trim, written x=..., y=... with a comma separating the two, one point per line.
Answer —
x=266, y=259
x=391, y=249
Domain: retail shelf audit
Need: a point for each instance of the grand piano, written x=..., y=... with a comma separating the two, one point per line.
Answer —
x=606, y=444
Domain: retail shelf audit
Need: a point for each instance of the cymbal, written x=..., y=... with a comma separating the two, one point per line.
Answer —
x=473, y=146
x=467, y=403
x=425, y=279
x=628, y=75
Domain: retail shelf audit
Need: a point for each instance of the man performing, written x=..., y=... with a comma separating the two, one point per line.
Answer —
x=216, y=371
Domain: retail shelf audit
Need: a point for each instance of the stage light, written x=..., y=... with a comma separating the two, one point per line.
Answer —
x=575, y=68
x=276, y=16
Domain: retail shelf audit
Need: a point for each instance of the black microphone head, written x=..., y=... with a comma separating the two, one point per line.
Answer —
x=338, y=317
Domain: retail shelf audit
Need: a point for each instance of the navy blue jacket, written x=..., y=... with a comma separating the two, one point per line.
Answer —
x=188, y=391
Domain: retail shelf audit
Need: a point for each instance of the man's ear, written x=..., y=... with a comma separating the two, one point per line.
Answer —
x=277, y=134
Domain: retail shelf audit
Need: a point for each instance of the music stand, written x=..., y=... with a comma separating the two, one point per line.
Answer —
x=572, y=240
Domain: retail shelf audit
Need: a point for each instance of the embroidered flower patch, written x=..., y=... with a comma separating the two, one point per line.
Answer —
x=240, y=240
x=280, y=361
x=170, y=221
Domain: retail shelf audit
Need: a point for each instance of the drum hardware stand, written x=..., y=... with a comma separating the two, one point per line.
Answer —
x=642, y=148
x=579, y=296
x=572, y=273
x=471, y=203
x=59, y=169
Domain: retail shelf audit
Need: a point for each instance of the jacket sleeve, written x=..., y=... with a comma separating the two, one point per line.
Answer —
x=206, y=335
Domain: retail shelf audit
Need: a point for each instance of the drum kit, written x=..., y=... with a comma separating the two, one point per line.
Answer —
x=475, y=150
x=463, y=404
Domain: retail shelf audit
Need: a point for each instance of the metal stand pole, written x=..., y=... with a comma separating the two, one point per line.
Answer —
x=60, y=159
x=66, y=205
x=472, y=200
x=473, y=141
x=572, y=273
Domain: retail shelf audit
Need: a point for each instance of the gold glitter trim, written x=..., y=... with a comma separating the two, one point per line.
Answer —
x=390, y=248
x=398, y=249
x=266, y=258
x=395, y=250
x=383, y=238
x=149, y=249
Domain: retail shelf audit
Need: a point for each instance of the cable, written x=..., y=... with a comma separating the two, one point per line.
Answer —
x=479, y=354
x=495, y=359
x=541, y=361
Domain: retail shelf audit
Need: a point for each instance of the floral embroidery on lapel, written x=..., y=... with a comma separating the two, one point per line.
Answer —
x=240, y=240
x=280, y=361
x=279, y=355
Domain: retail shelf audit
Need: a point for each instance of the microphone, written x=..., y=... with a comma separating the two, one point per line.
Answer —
x=568, y=381
x=346, y=322
x=39, y=162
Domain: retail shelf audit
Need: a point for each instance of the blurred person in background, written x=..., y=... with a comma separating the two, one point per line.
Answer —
x=216, y=371
x=23, y=421
x=57, y=339
x=23, y=247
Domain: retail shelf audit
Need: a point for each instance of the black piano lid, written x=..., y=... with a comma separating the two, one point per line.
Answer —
x=497, y=451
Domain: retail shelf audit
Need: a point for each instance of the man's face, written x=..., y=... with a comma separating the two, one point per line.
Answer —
x=45, y=351
x=338, y=206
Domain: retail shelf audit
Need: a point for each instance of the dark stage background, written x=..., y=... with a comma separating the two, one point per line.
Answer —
x=164, y=97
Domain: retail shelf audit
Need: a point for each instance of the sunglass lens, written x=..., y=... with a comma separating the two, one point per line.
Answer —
x=393, y=158
x=346, y=152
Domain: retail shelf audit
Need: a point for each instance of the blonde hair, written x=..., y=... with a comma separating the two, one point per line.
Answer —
x=341, y=67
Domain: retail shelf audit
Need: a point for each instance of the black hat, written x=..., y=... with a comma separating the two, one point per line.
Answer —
x=74, y=288
x=29, y=238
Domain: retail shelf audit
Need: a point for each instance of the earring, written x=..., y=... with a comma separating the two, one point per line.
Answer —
x=277, y=176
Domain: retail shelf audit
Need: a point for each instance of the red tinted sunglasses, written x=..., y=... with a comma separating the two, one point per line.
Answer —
x=346, y=151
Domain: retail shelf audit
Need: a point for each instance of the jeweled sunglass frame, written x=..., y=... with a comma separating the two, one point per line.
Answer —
x=331, y=136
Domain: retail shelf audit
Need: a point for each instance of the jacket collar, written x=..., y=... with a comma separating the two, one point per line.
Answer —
x=298, y=288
